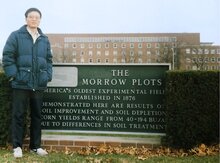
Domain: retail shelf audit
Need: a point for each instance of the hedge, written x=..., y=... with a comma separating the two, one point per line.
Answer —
x=5, y=110
x=192, y=106
x=191, y=101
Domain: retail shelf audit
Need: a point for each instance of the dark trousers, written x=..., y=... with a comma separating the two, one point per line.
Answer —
x=20, y=99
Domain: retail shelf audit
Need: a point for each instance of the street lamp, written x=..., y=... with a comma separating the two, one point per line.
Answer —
x=173, y=50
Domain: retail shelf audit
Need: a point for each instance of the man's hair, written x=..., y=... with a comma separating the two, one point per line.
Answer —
x=30, y=10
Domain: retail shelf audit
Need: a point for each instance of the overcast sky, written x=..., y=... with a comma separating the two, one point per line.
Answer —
x=116, y=16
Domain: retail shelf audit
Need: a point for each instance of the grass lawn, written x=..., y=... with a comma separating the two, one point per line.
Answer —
x=7, y=156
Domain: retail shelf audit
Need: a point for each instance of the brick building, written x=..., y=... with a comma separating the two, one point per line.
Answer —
x=200, y=57
x=127, y=48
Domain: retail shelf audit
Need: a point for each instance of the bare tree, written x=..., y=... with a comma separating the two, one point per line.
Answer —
x=167, y=54
x=198, y=56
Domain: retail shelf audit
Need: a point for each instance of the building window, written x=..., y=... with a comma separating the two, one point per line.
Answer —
x=90, y=45
x=140, y=53
x=206, y=59
x=74, y=53
x=82, y=60
x=115, y=53
x=123, y=53
x=213, y=59
x=106, y=60
x=148, y=52
x=82, y=46
x=123, y=45
x=140, y=60
x=98, y=53
x=90, y=60
x=132, y=53
x=107, y=45
x=115, y=45
x=218, y=51
x=166, y=50
x=66, y=45
x=74, y=45
x=115, y=60
x=148, y=45
x=200, y=60
x=194, y=60
x=132, y=60
x=194, y=51
x=123, y=60
x=174, y=45
x=140, y=45
x=200, y=51
x=188, y=67
x=57, y=45
x=82, y=53
x=157, y=45
x=98, y=60
x=98, y=46
x=194, y=67
x=212, y=51
x=157, y=52
x=131, y=45
x=206, y=67
x=74, y=60
x=187, y=51
x=158, y=60
x=106, y=53
x=188, y=60
x=213, y=67
x=90, y=53
x=206, y=51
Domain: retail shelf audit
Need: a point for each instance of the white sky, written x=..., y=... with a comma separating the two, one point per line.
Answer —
x=116, y=16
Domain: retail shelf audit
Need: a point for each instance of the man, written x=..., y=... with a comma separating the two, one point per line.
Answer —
x=27, y=61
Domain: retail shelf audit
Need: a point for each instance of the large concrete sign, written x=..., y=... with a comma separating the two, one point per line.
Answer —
x=124, y=98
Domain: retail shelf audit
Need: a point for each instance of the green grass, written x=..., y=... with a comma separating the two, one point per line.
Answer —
x=7, y=156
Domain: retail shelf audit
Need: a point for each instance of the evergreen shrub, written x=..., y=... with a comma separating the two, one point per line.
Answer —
x=192, y=106
x=5, y=110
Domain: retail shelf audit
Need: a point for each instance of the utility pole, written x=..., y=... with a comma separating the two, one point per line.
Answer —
x=173, y=50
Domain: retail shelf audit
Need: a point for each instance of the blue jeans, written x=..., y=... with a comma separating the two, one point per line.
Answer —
x=20, y=101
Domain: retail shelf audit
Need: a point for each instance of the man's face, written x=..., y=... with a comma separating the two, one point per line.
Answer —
x=33, y=19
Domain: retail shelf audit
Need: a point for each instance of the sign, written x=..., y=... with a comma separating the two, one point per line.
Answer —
x=124, y=98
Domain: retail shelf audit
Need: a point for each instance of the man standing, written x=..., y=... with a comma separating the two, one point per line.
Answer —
x=27, y=61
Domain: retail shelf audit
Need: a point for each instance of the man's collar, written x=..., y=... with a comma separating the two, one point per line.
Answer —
x=36, y=33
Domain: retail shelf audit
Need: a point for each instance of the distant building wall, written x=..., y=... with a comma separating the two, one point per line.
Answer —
x=203, y=57
x=123, y=48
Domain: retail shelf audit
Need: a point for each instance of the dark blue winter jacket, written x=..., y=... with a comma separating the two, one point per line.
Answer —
x=28, y=63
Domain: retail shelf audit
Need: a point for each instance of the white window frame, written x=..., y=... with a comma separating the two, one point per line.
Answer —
x=188, y=50
x=139, y=45
x=115, y=45
x=148, y=45
x=106, y=53
x=98, y=46
x=74, y=45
